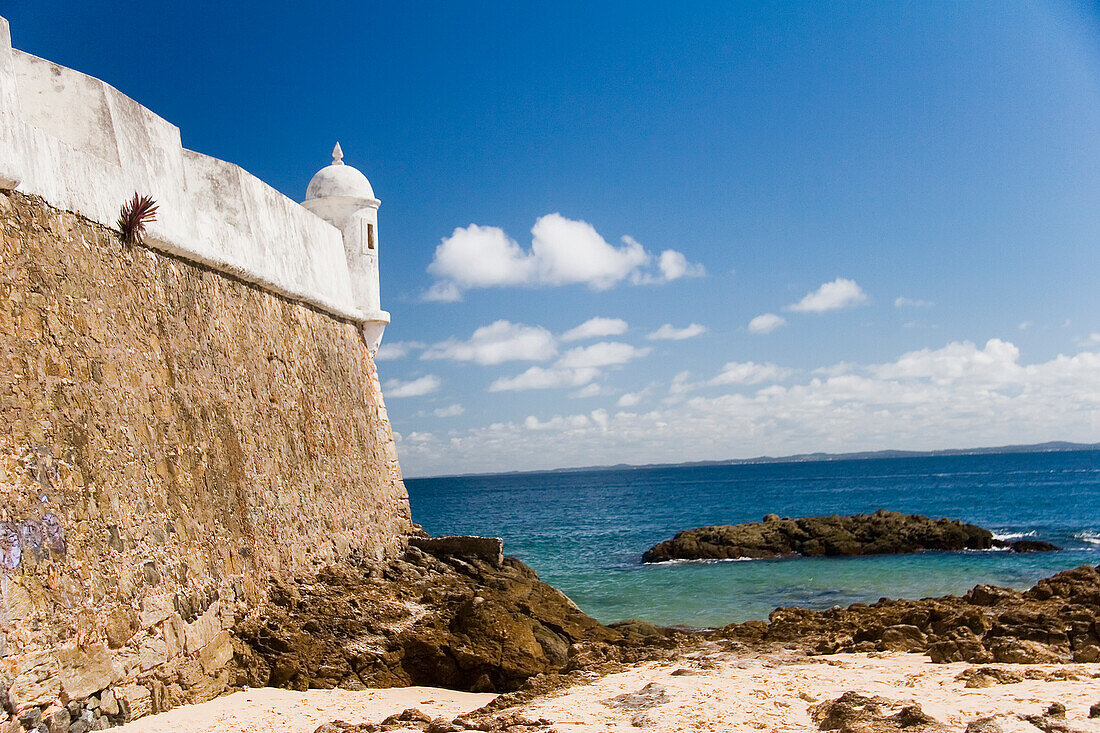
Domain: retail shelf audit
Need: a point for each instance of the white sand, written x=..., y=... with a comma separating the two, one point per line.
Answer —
x=743, y=694
x=724, y=692
x=268, y=710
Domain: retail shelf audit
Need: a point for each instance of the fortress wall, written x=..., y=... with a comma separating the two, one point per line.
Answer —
x=169, y=439
x=85, y=147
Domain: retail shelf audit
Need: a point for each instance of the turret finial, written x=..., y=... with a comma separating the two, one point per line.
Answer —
x=337, y=155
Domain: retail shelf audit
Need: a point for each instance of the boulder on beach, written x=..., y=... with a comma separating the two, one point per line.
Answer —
x=881, y=533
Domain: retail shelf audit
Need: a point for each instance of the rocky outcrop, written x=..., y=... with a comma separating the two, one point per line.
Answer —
x=461, y=621
x=466, y=622
x=413, y=719
x=1052, y=721
x=855, y=712
x=1057, y=620
x=883, y=532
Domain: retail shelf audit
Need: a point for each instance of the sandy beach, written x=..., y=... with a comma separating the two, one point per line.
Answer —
x=710, y=691
x=260, y=710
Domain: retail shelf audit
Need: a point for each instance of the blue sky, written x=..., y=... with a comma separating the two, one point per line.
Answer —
x=946, y=154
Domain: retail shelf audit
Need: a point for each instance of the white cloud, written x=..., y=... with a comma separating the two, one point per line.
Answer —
x=443, y=292
x=1024, y=325
x=451, y=411
x=600, y=418
x=563, y=252
x=766, y=323
x=840, y=293
x=912, y=303
x=959, y=395
x=541, y=378
x=671, y=333
x=630, y=399
x=569, y=422
x=605, y=353
x=396, y=350
x=591, y=390
x=673, y=266
x=749, y=372
x=569, y=251
x=419, y=437
x=958, y=362
x=576, y=368
x=595, y=328
x=681, y=383
x=496, y=343
x=411, y=388
x=481, y=257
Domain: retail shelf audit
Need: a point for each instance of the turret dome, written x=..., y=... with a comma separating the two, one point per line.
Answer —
x=339, y=180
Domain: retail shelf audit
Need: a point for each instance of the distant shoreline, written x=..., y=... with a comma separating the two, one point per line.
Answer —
x=1049, y=447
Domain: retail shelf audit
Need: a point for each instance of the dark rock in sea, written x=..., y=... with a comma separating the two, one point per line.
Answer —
x=855, y=712
x=1032, y=546
x=883, y=532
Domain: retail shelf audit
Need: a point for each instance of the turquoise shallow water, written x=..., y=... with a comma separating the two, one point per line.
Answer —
x=584, y=532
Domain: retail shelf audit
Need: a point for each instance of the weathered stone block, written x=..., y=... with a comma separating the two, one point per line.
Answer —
x=36, y=680
x=155, y=609
x=25, y=599
x=58, y=721
x=488, y=548
x=119, y=627
x=135, y=701
x=205, y=627
x=108, y=703
x=86, y=670
x=152, y=653
x=217, y=653
x=175, y=635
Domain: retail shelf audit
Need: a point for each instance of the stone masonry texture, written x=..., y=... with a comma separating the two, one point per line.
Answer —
x=170, y=439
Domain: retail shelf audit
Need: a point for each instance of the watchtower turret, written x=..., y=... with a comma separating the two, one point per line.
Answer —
x=342, y=196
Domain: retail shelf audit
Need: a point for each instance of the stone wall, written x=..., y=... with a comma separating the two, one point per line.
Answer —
x=170, y=438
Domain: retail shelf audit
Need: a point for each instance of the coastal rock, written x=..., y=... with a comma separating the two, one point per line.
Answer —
x=649, y=696
x=855, y=712
x=511, y=722
x=883, y=532
x=1054, y=721
x=487, y=548
x=1023, y=651
x=977, y=677
x=1055, y=621
x=458, y=621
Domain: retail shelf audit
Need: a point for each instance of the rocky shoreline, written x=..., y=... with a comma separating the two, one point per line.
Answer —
x=481, y=622
x=1053, y=624
x=455, y=613
x=883, y=532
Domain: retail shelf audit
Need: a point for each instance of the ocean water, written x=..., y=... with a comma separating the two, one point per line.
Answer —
x=584, y=532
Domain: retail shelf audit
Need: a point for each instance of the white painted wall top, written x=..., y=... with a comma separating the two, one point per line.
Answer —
x=85, y=147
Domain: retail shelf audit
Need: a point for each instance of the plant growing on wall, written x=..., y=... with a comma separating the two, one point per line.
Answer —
x=134, y=215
